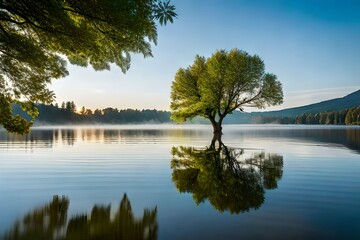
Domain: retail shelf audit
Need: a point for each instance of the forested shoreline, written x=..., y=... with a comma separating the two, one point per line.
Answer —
x=68, y=113
x=349, y=116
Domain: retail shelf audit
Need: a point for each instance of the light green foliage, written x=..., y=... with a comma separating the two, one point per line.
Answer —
x=216, y=86
x=185, y=94
x=35, y=34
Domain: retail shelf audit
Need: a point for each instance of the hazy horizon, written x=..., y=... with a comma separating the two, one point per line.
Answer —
x=302, y=94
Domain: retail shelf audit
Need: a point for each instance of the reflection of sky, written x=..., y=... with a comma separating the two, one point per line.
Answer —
x=317, y=195
x=299, y=140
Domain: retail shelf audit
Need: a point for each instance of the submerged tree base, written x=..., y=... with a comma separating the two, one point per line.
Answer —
x=216, y=126
x=216, y=138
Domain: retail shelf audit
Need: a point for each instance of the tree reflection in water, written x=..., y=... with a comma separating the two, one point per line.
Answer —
x=229, y=178
x=50, y=222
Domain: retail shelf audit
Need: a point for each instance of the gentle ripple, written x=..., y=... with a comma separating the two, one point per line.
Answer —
x=317, y=196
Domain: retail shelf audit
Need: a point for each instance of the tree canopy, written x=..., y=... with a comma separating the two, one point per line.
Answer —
x=220, y=84
x=36, y=35
x=228, y=177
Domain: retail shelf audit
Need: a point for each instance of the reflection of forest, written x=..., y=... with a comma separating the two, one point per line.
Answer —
x=348, y=137
x=230, y=178
x=50, y=222
x=69, y=136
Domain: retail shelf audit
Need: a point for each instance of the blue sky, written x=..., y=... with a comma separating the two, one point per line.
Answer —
x=311, y=45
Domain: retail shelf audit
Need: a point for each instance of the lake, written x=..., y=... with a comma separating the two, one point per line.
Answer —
x=170, y=182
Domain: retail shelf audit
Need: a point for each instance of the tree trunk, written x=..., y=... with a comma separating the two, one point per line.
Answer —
x=216, y=126
x=216, y=139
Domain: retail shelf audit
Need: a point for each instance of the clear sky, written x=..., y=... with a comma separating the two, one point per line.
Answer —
x=313, y=46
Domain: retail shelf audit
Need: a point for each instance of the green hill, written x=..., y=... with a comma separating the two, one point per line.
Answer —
x=336, y=104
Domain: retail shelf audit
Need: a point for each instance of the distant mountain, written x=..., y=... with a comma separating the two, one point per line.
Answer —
x=336, y=104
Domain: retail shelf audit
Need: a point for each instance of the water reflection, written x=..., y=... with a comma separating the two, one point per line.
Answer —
x=50, y=222
x=47, y=138
x=232, y=179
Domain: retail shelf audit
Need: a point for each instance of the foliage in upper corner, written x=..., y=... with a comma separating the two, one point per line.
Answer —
x=33, y=35
x=220, y=84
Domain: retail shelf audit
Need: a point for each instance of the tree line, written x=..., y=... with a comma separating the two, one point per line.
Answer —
x=349, y=116
x=67, y=113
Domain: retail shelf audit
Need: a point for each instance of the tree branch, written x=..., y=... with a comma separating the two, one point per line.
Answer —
x=16, y=12
x=3, y=29
x=12, y=21
x=247, y=101
x=85, y=14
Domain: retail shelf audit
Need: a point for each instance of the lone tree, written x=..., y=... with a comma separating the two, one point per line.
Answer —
x=36, y=34
x=216, y=86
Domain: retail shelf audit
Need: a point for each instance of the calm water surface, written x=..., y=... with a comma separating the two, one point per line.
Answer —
x=168, y=182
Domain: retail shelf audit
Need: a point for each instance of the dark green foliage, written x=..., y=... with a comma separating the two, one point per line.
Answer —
x=322, y=119
x=70, y=106
x=349, y=117
x=356, y=115
x=310, y=119
x=51, y=220
x=50, y=114
x=344, y=117
x=329, y=118
x=301, y=119
x=334, y=117
x=35, y=34
x=165, y=12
